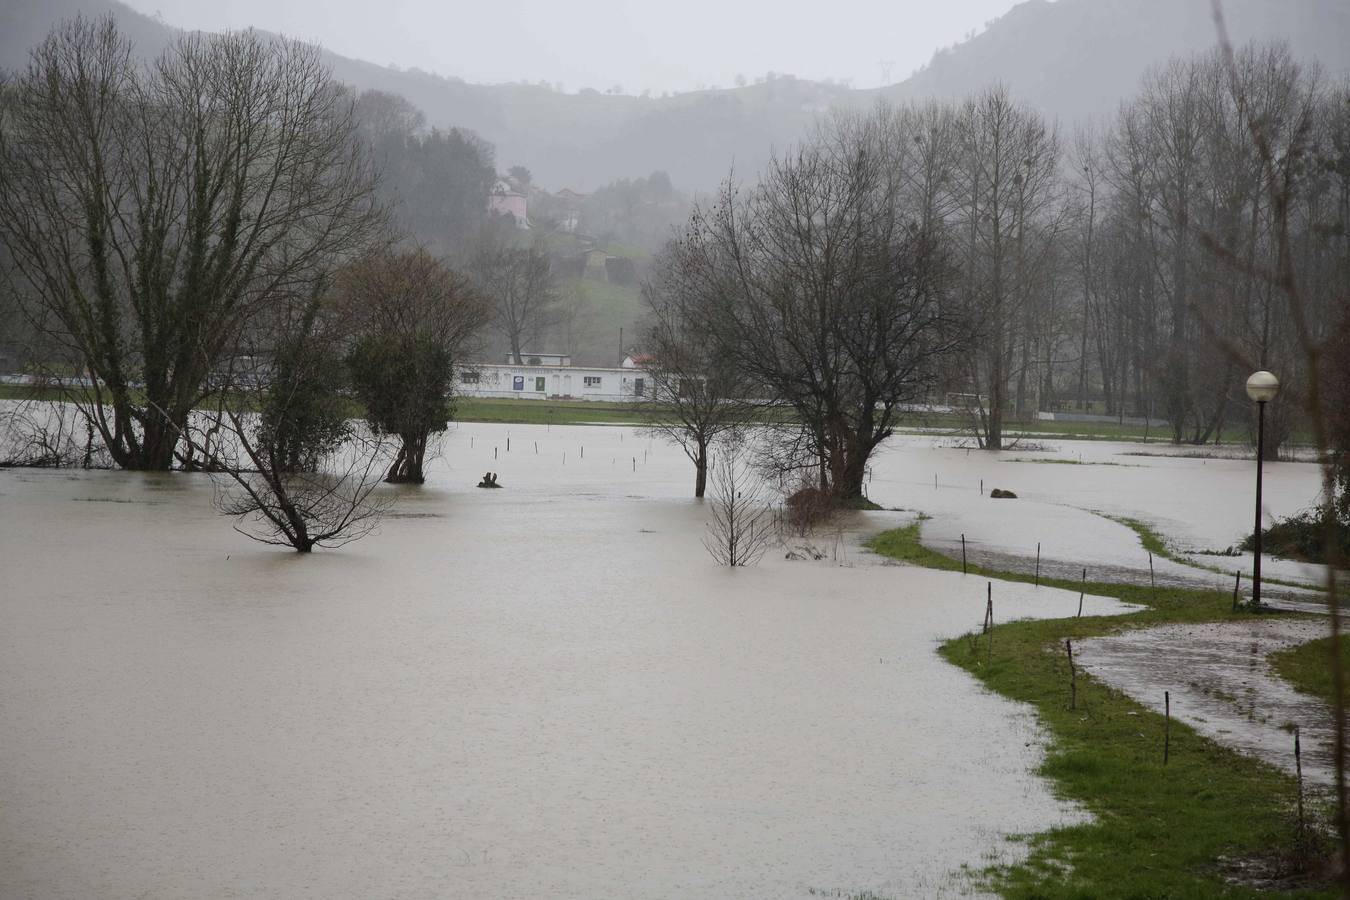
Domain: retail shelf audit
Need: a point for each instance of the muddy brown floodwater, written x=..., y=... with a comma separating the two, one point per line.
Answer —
x=1222, y=685
x=543, y=691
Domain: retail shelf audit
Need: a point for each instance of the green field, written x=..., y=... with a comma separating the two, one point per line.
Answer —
x=1308, y=666
x=546, y=412
x=1173, y=829
x=474, y=409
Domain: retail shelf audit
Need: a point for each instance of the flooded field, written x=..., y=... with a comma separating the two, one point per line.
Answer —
x=1070, y=494
x=1222, y=685
x=544, y=691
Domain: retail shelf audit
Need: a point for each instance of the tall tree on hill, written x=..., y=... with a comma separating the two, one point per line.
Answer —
x=437, y=180
x=151, y=212
x=520, y=283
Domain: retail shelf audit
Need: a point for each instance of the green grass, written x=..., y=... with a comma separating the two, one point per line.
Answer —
x=1158, y=830
x=545, y=412
x=1308, y=666
x=1153, y=541
x=29, y=392
x=903, y=544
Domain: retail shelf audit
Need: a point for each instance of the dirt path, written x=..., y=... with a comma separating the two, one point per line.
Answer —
x=1222, y=685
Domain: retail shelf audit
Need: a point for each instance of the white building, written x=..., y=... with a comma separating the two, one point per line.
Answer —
x=540, y=359
x=554, y=382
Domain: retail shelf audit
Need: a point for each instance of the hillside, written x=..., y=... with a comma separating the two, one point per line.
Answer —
x=1076, y=59
x=1073, y=59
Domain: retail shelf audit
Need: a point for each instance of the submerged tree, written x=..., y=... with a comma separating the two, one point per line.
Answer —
x=1008, y=216
x=152, y=210
x=823, y=287
x=741, y=527
x=296, y=473
x=698, y=394
x=416, y=320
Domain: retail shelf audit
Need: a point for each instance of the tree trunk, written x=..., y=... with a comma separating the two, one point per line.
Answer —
x=701, y=470
x=408, y=465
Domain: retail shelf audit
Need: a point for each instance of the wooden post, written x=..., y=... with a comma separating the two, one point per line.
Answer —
x=989, y=620
x=1080, y=594
x=583, y=451
x=508, y=443
x=1298, y=768
x=1038, y=564
x=935, y=481
x=981, y=487
x=635, y=464
x=1167, y=725
x=536, y=448
x=494, y=452
x=1073, y=676
x=1152, y=584
x=1237, y=583
x=963, y=555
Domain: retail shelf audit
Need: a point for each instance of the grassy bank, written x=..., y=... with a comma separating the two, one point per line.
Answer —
x=1158, y=830
x=545, y=412
x=1308, y=666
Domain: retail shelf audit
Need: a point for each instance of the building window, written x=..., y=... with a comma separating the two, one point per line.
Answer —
x=592, y=381
x=539, y=383
x=468, y=377
x=533, y=361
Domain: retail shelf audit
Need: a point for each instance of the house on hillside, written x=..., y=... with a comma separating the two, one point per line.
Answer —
x=595, y=264
x=506, y=200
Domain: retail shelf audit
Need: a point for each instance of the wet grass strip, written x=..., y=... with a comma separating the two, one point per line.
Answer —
x=1158, y=830
x=1308, y=666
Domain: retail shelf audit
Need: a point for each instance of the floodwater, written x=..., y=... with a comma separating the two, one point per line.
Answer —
x=1071, y=492
x=1222, y=685
x=542, y=691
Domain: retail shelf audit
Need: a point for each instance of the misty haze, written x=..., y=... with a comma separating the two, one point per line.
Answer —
x=721, y=450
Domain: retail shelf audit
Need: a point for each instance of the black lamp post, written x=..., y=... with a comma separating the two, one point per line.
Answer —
x=1261, y=387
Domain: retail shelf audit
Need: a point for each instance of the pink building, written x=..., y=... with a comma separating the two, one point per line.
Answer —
x=509, y=201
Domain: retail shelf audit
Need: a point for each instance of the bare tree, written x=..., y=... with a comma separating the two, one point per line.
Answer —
x=151, y=211
x=326, y=501
x=698, y=394
x=1284, y=155
x=40, y=434
x=520, y=283
x=1010, y=216
x=823, y=290
x=416, y=320
x=741, y=527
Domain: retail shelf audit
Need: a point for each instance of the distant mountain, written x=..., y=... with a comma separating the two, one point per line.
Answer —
x=1073, y=59
x=1076, y=59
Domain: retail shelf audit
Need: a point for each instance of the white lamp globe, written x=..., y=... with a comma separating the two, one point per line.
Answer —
x=1263, y=386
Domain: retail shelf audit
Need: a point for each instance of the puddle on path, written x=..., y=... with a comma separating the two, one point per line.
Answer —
x=1222, y=685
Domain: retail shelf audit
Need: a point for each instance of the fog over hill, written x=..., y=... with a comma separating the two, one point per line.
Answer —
x=1072, y=59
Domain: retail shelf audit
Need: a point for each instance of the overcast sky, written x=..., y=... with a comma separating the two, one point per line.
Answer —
x=637, y=44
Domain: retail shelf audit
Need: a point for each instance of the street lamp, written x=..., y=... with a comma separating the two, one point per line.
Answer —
x=1261, y=387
